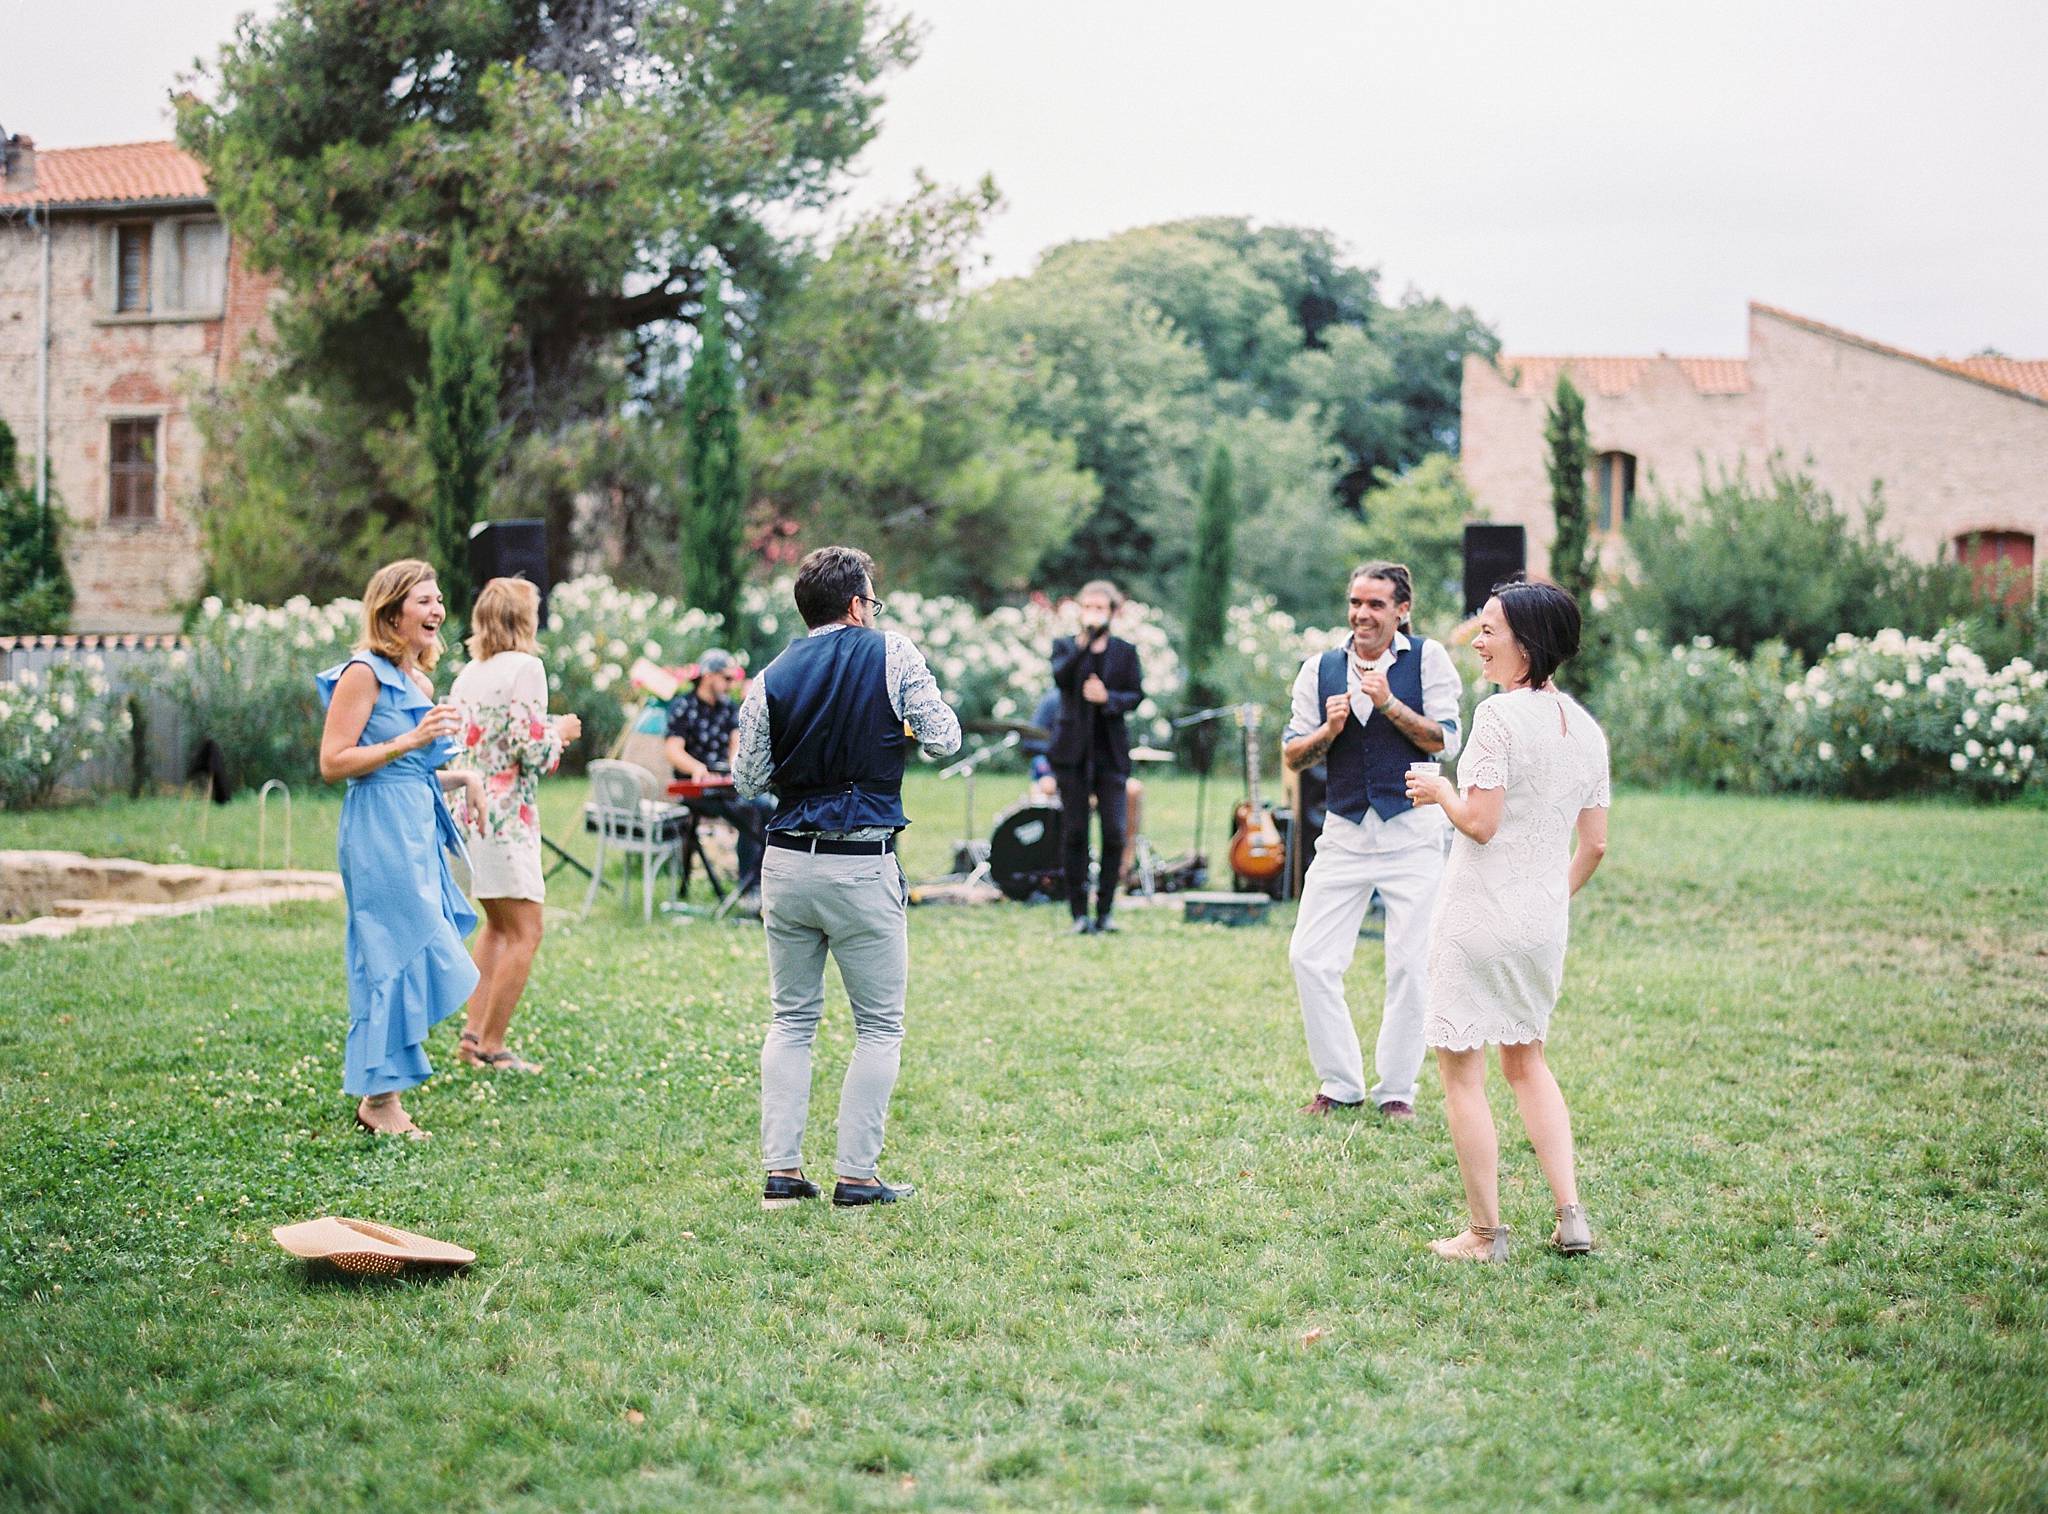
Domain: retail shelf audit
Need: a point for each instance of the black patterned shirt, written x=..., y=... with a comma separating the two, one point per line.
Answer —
x=706, y=728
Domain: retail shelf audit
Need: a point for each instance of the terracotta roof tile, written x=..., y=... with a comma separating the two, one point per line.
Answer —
x=132, y=172
x=2028, y=374
x=1611, y=376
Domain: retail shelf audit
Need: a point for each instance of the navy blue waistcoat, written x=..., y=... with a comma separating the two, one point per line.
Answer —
x=837, y=741
x=1368, y=763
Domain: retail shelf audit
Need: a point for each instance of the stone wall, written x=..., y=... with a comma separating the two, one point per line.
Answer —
x=128, y=576
x=1953, y=455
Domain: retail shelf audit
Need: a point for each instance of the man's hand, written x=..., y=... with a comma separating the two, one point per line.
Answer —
x=1336, y=712
x=1094, y=690
x=1373, y=685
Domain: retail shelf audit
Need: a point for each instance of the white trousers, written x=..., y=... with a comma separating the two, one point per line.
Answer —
x=1404, y=860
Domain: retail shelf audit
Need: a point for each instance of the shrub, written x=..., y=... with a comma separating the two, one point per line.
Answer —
x=1694, y=714
x=49, y=723
x=1744, y=566
x=245, y=680
x=1896, y=714
x=35, y=588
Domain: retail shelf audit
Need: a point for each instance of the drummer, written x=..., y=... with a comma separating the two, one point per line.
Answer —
x=703, y=736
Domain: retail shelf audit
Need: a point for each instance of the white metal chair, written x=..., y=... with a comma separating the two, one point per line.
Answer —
x=628, y=818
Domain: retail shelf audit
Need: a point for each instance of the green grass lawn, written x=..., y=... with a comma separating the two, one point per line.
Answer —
x=1803, y=1044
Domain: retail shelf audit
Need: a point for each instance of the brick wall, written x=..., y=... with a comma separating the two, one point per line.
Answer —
x=127, y=576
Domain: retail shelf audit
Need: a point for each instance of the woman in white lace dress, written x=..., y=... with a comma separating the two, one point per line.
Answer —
x=1534, y=774
x=507, y=736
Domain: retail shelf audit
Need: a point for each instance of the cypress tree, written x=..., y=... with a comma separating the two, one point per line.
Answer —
x=1209, y=594
x=35, y=587
x=458, y=421
x=714, y=512
x=1572, y=562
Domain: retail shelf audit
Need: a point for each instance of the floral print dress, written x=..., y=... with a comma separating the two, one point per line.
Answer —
x=508, y=737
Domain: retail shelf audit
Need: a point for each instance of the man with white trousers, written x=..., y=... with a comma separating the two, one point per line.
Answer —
x=1366, y=710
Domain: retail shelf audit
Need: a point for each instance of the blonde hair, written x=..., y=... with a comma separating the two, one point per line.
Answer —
x=506, y=619
x=383, y=600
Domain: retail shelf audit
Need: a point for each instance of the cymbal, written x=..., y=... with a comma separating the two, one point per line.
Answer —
x=1150, y=754
x=1022, y=729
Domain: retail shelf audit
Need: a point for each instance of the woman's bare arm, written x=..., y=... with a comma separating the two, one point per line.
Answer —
x=1592, y=829
x=355, y=696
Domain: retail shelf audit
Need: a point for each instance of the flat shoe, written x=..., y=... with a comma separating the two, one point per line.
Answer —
x=860, y=1195
x=1574, y=1233
x=1496, y=1237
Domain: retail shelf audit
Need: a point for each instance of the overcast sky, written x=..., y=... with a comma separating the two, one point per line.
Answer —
x=1597, y=176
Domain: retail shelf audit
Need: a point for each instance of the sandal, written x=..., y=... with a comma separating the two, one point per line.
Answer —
x=469, y=1050
x=506, y=1061
x=1495, y=1236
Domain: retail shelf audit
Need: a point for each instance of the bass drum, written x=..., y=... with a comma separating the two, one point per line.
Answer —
x=1024, y=851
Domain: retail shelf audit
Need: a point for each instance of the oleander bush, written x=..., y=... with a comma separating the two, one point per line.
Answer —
x=50, y=722
x=245, y=680
x=1873, y=717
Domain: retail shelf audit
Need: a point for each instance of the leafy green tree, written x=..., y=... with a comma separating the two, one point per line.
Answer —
x=874, y=418
x=1168, y=335
x=35, y=587
x=1418, y=518
x=609, y=159
x=1573, y=563
x=714, y=512
x=1745, y=564
x=458, y=422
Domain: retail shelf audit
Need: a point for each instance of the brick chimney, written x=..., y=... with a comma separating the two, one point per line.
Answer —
x=17, y=164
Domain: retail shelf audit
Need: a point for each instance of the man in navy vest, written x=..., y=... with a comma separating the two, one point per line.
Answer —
x=823, y=728
x=1368, y=709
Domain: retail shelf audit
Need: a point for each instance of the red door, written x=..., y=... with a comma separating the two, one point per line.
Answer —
x=2000, y=562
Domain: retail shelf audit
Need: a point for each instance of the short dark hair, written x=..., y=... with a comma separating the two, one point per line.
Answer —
x=829, y=580
x=1544, y=620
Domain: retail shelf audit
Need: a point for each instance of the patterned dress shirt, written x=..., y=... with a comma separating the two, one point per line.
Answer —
x=913, y=695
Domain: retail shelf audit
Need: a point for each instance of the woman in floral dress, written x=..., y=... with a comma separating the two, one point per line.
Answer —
x=506, y=736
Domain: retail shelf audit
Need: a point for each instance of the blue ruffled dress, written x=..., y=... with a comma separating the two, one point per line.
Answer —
x=407, y=969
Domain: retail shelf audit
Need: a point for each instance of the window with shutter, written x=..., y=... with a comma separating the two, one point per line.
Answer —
x=131, y=268
x=131, y=469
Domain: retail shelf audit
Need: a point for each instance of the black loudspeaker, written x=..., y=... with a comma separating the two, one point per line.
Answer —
x=1314, y=788
x=1492, y=553
x=511, y=549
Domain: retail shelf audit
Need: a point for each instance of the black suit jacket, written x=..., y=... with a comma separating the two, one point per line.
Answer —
x=1075, y=737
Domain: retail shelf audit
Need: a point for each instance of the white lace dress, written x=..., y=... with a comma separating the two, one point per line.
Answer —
x=1496, y=940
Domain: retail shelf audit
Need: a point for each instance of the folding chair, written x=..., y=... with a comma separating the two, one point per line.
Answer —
x=626, y=816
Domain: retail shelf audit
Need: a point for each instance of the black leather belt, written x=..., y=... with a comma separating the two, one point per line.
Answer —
x=830, y=847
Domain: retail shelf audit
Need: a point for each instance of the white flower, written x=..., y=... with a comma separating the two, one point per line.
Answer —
x=1973, y=749
x=1825, y=751
x=1869, y=752
x=1958, y=761
x=45, y=722
x=1970, y=715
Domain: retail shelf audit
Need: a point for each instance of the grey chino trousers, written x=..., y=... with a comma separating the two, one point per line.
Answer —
x=852, y=908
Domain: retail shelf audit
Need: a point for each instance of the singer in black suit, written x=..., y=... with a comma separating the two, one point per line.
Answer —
x=1099, y=683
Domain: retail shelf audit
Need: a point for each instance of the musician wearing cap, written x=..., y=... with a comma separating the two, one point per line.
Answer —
x=703, y=735
x=1098, y=681
x=1367, y=710
x=824, y=728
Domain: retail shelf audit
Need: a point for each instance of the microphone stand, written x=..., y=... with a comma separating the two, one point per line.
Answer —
x=1195, y=718
x=966, y=767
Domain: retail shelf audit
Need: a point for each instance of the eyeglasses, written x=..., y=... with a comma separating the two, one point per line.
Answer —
x=871, y=602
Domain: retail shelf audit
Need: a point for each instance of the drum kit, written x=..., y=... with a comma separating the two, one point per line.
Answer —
x=1021, y=857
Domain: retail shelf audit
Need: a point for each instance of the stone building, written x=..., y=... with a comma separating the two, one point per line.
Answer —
x=1958, y=446
x=122, y=299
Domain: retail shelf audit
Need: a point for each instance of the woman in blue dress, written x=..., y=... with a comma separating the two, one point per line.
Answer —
x=406, y=918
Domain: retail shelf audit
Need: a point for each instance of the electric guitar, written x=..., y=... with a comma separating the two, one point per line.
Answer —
x=1257, y=854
